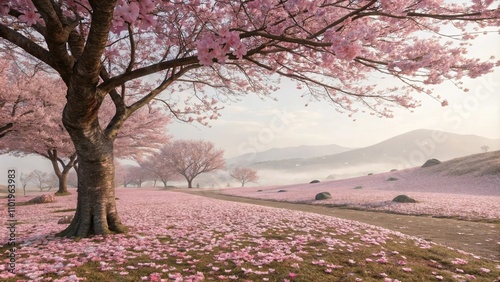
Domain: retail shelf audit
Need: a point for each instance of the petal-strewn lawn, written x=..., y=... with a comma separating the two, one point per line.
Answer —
x=465, y=196
x=180, y=237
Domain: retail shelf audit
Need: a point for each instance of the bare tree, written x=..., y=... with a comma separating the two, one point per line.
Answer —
x=485, y=148
x=25, y=179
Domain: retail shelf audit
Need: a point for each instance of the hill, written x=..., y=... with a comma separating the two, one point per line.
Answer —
x=403, y=151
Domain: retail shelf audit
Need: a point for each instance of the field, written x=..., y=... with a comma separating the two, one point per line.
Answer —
x=465, y=196
x=180, y=237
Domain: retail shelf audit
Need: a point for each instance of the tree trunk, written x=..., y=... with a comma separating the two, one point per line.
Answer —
x=62, y=175
x=190, y=183
x=96, y=212
x=164, y=183
x=63, y=184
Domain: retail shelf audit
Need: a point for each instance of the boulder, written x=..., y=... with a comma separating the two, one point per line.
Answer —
x=314, y=181
x=42, y=199
x=403, y=199
x=431, y=162
x=65, y=219
x=323, y=196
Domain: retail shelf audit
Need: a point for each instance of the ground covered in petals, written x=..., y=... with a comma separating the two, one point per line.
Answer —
x=465, y=196
x=180, y=237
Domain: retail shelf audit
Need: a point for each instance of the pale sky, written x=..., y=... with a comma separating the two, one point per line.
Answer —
x=257, y=125
x=254, y=125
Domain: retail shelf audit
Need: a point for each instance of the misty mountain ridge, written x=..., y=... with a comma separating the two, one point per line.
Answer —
x=407, y=150
x=296, y=152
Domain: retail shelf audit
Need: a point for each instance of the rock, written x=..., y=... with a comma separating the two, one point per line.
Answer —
x=42, y=199
x=358, y=187
x=403, y=199
x=392, y=179
x=259, y=190
x=394, y=169
x=117, y=199
x=431, y=162
x=65, y=219
x=314, y=181
x=323, y=196
x=370, y=173
x=279, y=191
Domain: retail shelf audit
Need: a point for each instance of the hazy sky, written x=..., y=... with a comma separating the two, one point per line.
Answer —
x=256, y=125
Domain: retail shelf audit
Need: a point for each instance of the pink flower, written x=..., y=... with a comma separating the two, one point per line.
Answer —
x=30, y=18
x=292, y=275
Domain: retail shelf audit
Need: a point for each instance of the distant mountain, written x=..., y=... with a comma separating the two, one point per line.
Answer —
x=403, y=151
x=276, y=154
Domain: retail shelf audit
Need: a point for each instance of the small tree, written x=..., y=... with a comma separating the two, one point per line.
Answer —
x=485, y=148
x=244, y=175
x=191, y=158
x=160, y=165
x=41, y=179
x=25, y=179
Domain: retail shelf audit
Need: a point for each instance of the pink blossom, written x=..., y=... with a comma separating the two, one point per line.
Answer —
x=30, y=17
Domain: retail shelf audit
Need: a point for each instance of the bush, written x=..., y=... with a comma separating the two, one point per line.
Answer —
x=403, y=199
x=281, y=191
x=314, y=181
x=358, y=187
x=392, y=179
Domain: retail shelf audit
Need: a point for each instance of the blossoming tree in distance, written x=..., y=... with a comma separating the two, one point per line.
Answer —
x=173, y=50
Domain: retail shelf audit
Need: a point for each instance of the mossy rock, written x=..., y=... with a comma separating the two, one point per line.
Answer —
x=323, y=196
x=358, y=187
x=392, y=179
x=314, y=181
x=403, y=199
x=431, y=162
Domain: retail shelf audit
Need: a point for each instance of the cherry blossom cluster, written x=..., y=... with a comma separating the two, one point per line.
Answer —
x=216, y=47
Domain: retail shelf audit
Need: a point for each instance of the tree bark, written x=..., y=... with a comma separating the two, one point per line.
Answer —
x=96, y=212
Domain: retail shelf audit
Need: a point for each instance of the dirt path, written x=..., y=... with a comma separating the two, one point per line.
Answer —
x=480, y=238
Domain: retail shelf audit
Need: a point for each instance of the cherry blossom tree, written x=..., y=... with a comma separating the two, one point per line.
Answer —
x=244, y=175
x=31, y=102
x=160, y=166
x=191, y=158
x=173, y=50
